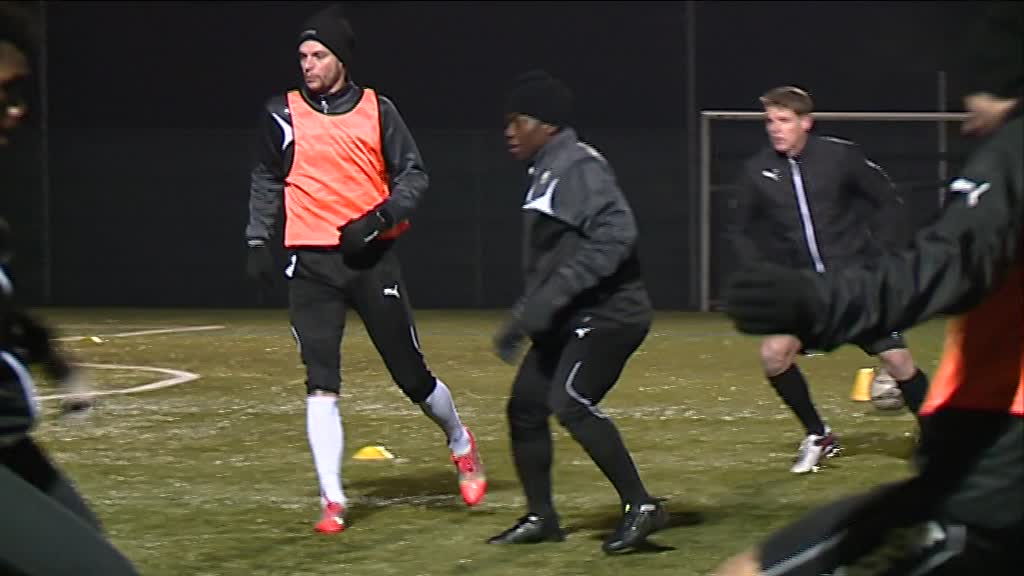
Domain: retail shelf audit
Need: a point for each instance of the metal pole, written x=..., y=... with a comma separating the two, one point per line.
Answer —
x=705, y=213
x=855, y=116
x=943, y=144
x=696, y=296
x=478, y=200
x=44, y=140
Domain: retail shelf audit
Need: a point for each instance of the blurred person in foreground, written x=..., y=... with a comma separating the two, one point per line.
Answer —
x=41, y=508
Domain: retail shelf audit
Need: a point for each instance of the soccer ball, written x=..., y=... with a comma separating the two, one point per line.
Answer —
x=885, y=393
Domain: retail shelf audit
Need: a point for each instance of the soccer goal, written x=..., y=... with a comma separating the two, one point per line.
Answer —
x=919, y=150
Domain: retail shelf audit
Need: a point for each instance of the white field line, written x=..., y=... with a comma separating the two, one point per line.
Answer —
x=176, y=376
x=143, y=333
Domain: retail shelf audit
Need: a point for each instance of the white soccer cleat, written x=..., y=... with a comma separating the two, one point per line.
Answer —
x=813, y=449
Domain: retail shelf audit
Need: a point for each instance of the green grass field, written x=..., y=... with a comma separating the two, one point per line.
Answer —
x=214, y=476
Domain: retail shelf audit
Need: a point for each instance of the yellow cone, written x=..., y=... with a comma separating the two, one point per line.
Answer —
x=862, y=385
x=373, y=453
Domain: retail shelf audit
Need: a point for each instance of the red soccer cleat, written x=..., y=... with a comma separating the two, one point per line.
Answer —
x=333, y=519
x=472, y=480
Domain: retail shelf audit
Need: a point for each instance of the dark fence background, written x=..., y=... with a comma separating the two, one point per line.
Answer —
x=130, y=185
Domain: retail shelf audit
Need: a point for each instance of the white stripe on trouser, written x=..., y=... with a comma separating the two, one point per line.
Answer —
x=415, y=340
x=812, y=552
x=298, y=342
x=24, y=378
x=805, y=216
x=576, y=395
x=6, y=286
x=956, y=541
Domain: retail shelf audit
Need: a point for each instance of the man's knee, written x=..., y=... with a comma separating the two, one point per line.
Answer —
x=778, y=353
x=526, y=419
x=571, y=411
x=899, y=363
x=322, y=357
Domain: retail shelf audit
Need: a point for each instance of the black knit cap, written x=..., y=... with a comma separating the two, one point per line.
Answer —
x=542, y=96
x=330, y=28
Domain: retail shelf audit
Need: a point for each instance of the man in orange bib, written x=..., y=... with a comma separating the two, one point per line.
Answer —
x=350, y=175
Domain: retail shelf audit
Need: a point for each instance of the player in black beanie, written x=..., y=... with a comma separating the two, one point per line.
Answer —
x=584, y=308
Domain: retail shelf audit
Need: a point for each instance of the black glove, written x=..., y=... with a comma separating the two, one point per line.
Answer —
x=531, y=317
x=357, y=234
x=768, y=299
x=509, y=340
x=260, y=264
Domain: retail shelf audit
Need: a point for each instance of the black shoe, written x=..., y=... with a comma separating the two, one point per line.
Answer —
x=530, y=529
x=637, y=524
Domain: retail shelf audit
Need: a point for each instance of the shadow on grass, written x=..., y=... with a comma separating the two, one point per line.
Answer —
x=892, y=445
x=436, y=489
x=604, y=521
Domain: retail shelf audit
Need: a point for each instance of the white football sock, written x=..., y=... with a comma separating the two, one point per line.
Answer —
x=326, y=440
x=440, y=407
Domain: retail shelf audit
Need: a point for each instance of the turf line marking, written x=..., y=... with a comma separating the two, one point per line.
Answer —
x=144, y=333
x=176, y=377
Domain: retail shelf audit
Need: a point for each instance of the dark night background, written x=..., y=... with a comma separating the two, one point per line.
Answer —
x=131, y=181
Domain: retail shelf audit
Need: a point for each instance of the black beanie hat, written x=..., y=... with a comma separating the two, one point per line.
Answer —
x=542, y=96
x=330, y=28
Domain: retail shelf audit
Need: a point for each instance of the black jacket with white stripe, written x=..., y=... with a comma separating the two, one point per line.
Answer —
x=841, y=210
x=580, y=240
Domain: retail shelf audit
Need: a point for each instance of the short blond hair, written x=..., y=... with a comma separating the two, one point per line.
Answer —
x=790, y=98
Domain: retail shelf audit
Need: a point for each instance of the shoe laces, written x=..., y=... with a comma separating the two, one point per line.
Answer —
x=813, y=440
x=632, y=511
x=466, y=463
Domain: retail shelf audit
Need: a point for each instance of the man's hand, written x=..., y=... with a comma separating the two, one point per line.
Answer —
x=509, y=340
x=357, y=234
x=531, y=317
x=260, y=264
x=768, y=299
x=987, y=112
x=744, y=564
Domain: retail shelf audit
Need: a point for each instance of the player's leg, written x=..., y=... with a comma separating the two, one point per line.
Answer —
x=382, y=301
x=317, y=311
x=34, y=523
x=778, y=360
x=897, y=360
x=588, y=368
x=532, y=452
